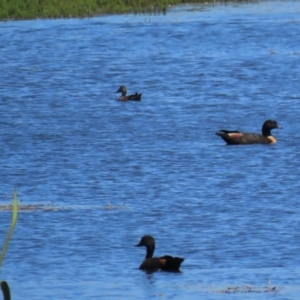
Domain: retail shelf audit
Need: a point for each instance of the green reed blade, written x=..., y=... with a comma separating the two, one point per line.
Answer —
x=12, y=226
x=5, y=290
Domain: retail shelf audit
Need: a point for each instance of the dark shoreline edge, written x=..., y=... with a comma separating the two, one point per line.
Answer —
x=53, y=9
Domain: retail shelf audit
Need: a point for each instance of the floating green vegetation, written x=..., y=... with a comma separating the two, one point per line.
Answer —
x=12, y=227
x=4, y=285
x=31, y=9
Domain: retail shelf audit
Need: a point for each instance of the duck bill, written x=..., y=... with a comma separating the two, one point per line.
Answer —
x=138, y=245
x=279, y=127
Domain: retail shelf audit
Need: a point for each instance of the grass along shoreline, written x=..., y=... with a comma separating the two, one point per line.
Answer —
x=44, y=9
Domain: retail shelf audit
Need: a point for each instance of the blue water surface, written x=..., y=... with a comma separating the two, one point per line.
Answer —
x=115, y=170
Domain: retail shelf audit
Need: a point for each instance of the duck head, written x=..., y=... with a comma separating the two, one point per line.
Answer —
x=268, y=126
x=149, y=242
x=122, y=89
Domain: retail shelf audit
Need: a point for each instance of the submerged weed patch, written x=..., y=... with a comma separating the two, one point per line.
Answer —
x=53, y=207
x=247, y=289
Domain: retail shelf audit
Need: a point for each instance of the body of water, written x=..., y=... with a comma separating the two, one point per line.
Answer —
x=115, y=170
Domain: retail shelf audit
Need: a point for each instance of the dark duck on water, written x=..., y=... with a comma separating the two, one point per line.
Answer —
x=163, y=263
x=135, y=97
x=235, y=137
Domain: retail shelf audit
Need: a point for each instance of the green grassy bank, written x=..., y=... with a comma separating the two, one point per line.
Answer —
x=31, y=9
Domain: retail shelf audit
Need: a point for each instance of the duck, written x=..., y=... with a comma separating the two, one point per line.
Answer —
x=234, y=137
x=164, y=263
x=135, y=97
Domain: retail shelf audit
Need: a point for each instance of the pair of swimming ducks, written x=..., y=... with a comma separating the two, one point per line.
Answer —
x=231, y=137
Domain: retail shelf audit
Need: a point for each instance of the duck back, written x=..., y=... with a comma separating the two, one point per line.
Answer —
x=171, y=263
x=134, y=97
x=165, y=263
x=237, y=138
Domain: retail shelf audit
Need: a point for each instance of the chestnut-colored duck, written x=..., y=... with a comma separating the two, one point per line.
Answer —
x=135, y=97
x=234, y=137
x=163, y=263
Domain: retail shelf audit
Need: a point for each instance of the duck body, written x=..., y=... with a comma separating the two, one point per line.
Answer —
x=234, y=137
x=237, y=138
x=164, y=263
x=135, y=97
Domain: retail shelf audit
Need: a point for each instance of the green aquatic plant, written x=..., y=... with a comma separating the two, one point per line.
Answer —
x=31, y=9
x=4, y=285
